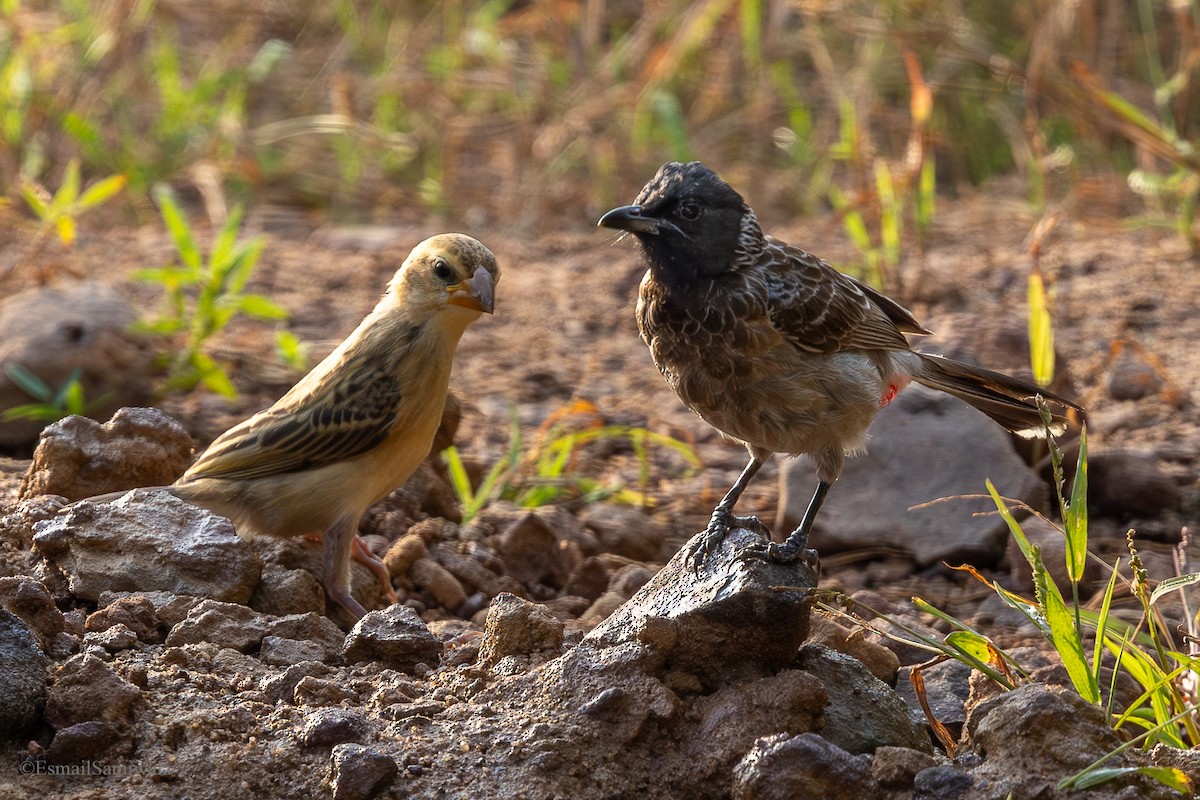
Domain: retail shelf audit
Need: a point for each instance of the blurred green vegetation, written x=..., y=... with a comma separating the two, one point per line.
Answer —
x=517, y=112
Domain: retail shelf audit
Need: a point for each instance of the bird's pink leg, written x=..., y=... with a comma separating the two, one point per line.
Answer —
x=363, y=555
x=336, y=573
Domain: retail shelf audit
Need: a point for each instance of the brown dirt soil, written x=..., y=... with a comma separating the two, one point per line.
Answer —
x=564, y=331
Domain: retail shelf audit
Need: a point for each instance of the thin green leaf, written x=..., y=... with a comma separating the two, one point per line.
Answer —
x=1041, y=332
x=213, y=375
x=1168, y=776
x=35, y=201
x=69, y=190
x=72, y=380
x=972, y=643
x=1066, y=640
x=255, y=305
x=1013, y=526
x=29, y=383
x=489, y=488
x=459, y=481
x=1169, y=585
x=36, y=412
x=1076, y=520
x=161, y=327
x=101, y=191
x=1072, y=780
x=66, y=229
x=245, y=258
x=168, y=276
x=1102, y=624
x=73, y=399
x=177, y=226
x=220, y=255
x=292, y=351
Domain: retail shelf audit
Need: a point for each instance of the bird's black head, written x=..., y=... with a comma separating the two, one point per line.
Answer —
x=692, y=225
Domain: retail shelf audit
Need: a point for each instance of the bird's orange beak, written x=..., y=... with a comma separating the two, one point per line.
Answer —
x=477, y=293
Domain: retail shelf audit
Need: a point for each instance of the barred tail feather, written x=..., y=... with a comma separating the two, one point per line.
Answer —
x=1009, y=401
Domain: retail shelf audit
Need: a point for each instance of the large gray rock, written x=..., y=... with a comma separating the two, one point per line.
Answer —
x=926, y=445
x=395, y=636
x=23, y=687
x=52, y=332
x=803, y=767
x=726, y=622
x=78, y=457
x=668, y=694
x=29, y=600
x=243, y=629
x=148, y=541
x=84, y=688
x=1036, y=735
x=359, y=773
x=518, y=627
x=863, y=712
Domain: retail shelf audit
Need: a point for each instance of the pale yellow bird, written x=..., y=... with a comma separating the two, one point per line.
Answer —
x=359, y=424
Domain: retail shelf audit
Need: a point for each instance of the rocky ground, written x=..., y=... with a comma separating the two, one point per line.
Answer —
x=548, y=652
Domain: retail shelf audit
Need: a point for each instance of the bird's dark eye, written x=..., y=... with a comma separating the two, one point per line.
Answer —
x=690, y=210
x=442, y=270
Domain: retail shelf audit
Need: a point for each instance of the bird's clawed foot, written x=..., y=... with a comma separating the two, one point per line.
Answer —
x=363, y=555
x=794, y=549
x=719, y=526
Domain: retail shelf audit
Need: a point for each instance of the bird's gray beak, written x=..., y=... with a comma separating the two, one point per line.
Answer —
x=477, y=293
x=629, y=218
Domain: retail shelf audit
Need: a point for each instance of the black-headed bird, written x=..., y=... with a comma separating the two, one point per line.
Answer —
x=777, y=349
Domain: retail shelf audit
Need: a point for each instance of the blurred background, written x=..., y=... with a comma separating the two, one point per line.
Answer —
x=539, y=114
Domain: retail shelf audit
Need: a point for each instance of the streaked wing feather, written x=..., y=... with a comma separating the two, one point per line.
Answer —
x=821, y=310
x=333, y=425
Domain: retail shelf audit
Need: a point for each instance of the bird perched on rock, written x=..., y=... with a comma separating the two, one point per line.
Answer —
x=359, y=424
x=777, y=349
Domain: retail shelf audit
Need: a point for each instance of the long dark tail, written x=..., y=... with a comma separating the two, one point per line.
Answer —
x=1009, y=401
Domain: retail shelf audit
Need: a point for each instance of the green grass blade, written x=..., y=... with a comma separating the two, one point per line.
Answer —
x=1073, y=780
x=177, y=225
x=68, y=192
x=971, y=643
x=29, y=383
x=36, y=412
x=213, y=375
x=255, y=305
x=35, y=202
x=1173, y=584
x=459, y=481
x=101, y=191
x=66, y=228
x=488, y=489
x=1013, y=526
x=1168, y=776
x=1066, y=640
x=1102, y=623
x=1041, y=331
x=1076, y=519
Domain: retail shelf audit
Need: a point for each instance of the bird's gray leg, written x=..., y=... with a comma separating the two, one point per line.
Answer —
x=796, y=545
x=339, y=539
x=722, y=519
